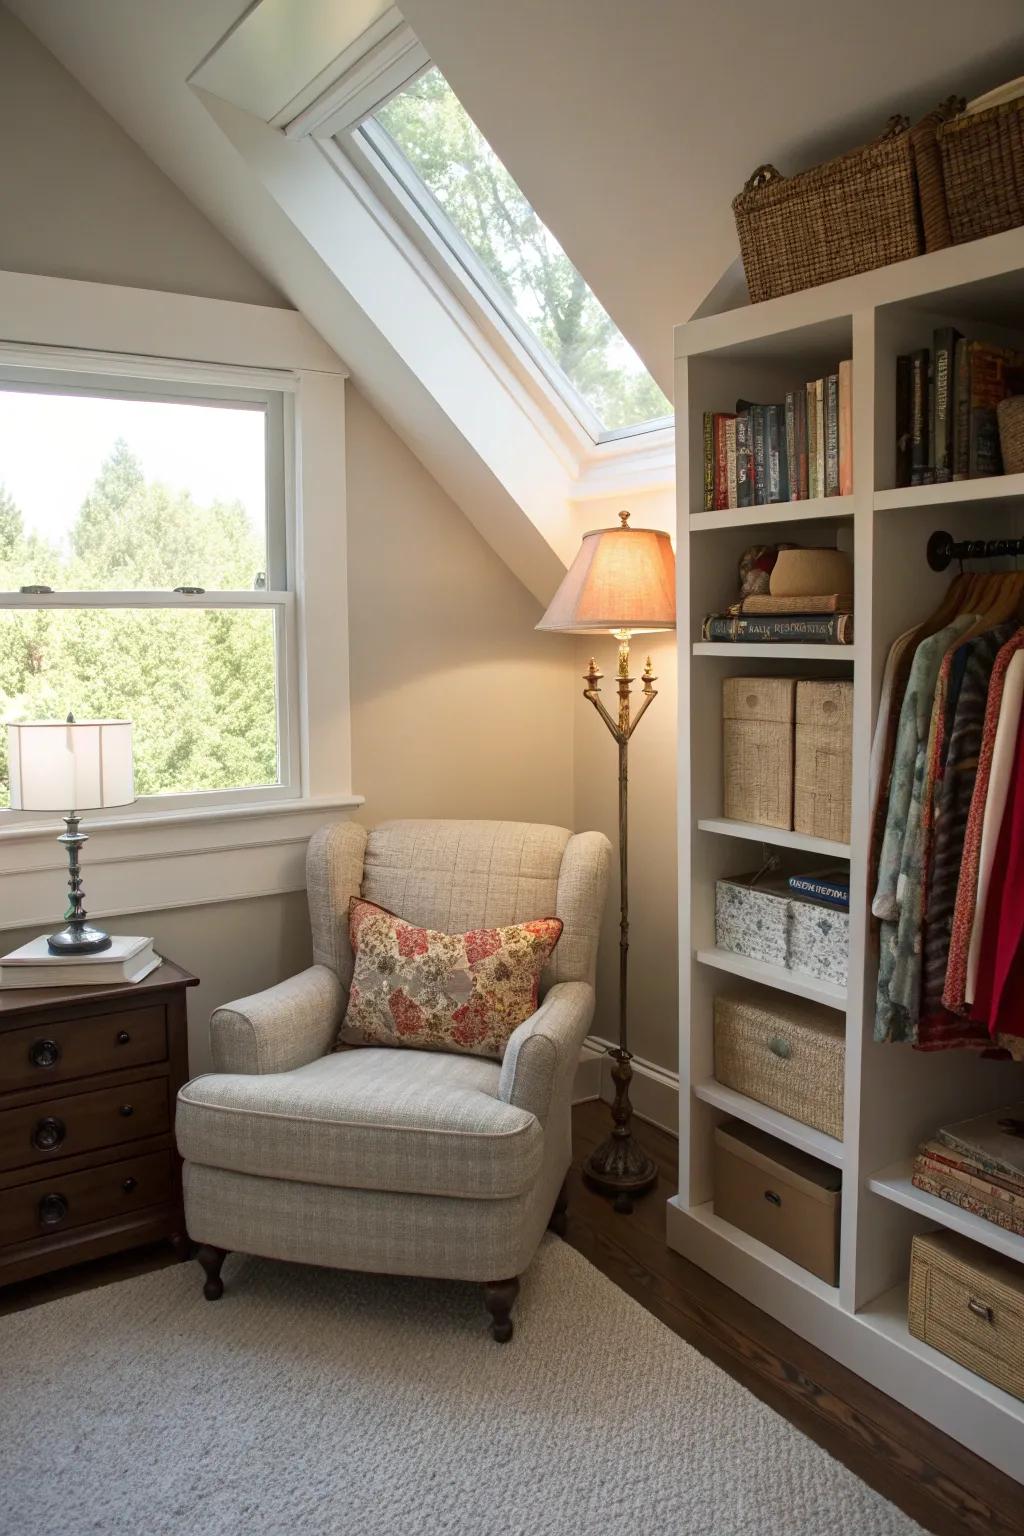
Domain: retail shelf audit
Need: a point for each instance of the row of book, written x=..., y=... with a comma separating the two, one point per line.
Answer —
x=978, y=1165
x=795, y=451
x=946, y=399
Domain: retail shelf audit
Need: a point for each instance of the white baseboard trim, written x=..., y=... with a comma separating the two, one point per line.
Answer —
x=654, y=1091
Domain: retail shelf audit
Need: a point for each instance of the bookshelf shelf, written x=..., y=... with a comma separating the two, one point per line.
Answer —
x=777, y=837
x=993, y=490
x=783, y=1126
x=896, y=1183
x=893, y=1096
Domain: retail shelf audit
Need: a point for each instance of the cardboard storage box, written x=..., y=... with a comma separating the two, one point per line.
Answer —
x=767, y=922
x=823, y=759
x=781, y=1196
x=757, y=749
x=785, y=1053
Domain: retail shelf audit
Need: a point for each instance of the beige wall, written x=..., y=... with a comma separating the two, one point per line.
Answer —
x=79, y=199
x=653, y=971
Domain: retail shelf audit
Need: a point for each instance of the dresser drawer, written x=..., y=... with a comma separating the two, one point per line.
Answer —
x=75, y=1048
x=59, y=1202
x=62, y=1127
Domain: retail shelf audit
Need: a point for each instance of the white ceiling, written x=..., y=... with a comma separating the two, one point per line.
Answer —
x=631, y=124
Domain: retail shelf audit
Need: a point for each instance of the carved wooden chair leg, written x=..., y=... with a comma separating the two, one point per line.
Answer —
x=211, y=1259
x=559, y=1218
x=499, y=1299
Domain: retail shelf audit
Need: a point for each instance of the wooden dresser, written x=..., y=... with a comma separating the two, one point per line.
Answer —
x=88, y=1081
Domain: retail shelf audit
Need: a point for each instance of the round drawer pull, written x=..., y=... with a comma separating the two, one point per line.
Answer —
x=52, y=1210
x=780, y=1048
x=123, y=1037
x=129, y=1184
x=772, y=1197
x=48, y=1133
x=44, y=1053
x=126, y=1110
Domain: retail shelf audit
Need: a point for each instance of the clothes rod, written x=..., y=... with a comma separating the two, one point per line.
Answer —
x=943, y=549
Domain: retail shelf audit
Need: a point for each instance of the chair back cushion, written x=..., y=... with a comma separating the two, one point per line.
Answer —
x=454, y=876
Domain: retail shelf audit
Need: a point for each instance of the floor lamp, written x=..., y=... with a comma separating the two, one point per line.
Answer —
x=622, y=580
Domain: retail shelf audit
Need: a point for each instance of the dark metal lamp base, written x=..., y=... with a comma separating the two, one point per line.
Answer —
x=78, y=939
x=621, y=1168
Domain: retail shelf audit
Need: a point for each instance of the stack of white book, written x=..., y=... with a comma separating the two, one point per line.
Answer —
x=127, y=959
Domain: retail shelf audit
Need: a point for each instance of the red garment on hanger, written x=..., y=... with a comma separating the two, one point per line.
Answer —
x=999, y=1000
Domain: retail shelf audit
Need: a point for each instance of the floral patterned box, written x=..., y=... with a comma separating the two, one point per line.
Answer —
x=767, y=922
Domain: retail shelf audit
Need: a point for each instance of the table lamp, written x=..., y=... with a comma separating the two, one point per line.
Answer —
x=622, y=580
x=87, y=764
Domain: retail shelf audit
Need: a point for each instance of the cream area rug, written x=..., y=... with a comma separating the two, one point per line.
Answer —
x=333, y=1404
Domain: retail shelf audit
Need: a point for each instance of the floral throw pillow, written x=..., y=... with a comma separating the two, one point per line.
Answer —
x=442, y=991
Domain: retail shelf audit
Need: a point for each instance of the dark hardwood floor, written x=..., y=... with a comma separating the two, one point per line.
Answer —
x=944, y=1487
x=935, y=1480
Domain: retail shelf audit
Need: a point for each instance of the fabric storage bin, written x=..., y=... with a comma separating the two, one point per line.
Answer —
x=767, y=922
x=823, y=759
x=968, y=1303
x=790, y=1055
x=757, y=749
x=781, y=1196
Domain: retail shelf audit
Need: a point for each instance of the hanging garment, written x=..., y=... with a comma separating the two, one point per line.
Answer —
x=899, y=871
x=897, y=666
x=945, y=822
x=999, y=1003
x=954, y=991
x=1003, y=757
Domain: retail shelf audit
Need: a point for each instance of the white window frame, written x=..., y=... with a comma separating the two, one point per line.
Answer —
x=137, y=379
x=383, y=164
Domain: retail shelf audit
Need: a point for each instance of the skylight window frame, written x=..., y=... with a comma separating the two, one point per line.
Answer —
x=378, y=154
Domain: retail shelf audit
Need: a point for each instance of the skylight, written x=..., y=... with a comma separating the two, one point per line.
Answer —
x=485, y=220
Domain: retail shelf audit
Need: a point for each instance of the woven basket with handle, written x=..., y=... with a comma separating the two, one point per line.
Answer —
x=850, y=215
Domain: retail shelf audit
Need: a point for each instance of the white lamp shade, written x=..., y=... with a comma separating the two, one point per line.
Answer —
x=622, y=578
x=80, y=765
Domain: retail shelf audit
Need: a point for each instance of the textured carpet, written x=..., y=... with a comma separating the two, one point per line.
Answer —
x=319, y=1402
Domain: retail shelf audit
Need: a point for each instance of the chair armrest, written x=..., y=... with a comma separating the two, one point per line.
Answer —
x=281, y=1028
x=543, y=1051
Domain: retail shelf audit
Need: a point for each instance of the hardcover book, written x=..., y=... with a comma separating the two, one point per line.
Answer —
x=920, y=419
x=832, y=887
x=814, y=489
x=721, y=462
x=760, y=425
x=812, y=629
x=832, y=435
x=846, y=427
x=32, y=965
x=772, y=429
x=819, y=436
x=944, y=343
x=903, y=420
x=994, y=1141
x=730, y=463
x=792, y=468
x=763, y=602
x=961, y=409
x=799, y=490
x=709, y=460
x=744, y=461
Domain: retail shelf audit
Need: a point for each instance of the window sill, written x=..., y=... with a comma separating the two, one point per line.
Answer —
x=162, y=860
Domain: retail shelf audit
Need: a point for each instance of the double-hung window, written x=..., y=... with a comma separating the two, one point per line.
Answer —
x=144, y=573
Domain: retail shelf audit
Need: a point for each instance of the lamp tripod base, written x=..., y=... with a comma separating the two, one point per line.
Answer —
x=620, y=1167
x=78, y=939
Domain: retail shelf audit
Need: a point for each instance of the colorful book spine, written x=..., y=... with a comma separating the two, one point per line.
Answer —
x=792, y=470
x=772, y=435
x=819, y=436
x=730, y=463
x=709, y=461
x=721, y=463
x=836, y=893
x=832, y=435
x=903, y=420
x=818, y=629
x=799, y=490
x=812, y=443
x=744, y=461
x=760, y=455
x=846, y=427
x=967, y=1200
x=944, y=343
x=920, y=434
x=835, y=602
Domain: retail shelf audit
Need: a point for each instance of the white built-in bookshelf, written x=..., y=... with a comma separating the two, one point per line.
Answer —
x=894, y=1096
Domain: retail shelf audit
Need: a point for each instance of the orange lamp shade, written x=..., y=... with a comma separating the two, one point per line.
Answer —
x=622, y=578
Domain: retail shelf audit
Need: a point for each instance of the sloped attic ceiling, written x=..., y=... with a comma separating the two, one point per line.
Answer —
x=632, y=125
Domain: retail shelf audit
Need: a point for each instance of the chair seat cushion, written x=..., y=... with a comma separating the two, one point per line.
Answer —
x=430, y=990
x=369, y=1118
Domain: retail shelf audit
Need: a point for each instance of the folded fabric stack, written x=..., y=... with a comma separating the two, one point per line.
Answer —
x=978, y=1165
x=787, y=595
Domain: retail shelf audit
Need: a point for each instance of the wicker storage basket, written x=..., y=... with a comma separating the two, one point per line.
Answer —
x=968, y=1303
x=823, y=759
x=931, y=185
x=850, y=215
x=790, y=1055
x=757, y=749
x=983, y=170
x=1011, y=434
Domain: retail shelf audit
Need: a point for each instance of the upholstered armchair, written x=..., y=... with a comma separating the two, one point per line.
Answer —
x=387, y=1159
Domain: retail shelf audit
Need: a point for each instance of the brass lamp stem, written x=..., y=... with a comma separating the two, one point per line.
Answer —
x=620, y=1166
